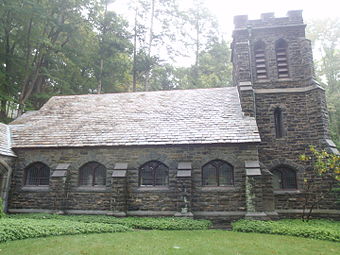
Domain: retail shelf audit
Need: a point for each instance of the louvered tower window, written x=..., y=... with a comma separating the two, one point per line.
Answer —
x=260, y=60
x=281, y=58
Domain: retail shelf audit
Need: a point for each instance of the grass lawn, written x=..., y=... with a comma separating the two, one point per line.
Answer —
x=171, y=242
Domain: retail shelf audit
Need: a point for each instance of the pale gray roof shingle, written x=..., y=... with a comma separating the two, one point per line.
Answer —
x=5, y=141
x=200, y=116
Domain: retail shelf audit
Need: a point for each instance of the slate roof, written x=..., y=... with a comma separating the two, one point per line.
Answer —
x=5, y=141
x=199, y=116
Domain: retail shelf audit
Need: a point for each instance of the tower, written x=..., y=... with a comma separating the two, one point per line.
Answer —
x=274, y=74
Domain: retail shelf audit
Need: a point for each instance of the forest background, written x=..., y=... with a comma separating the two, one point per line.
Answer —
x=63, y=47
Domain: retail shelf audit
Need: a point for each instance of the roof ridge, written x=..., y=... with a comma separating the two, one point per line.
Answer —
x=142, y=92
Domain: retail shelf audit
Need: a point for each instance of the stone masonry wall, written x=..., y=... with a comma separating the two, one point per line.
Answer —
x=161, y=199
x=304, y=121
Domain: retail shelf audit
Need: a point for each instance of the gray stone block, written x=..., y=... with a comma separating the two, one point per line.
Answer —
x=184, y=166
x=184, y=173
x=119, y=173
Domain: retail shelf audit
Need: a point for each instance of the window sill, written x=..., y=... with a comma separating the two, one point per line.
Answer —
x=283, y=191
x=283, y=138
x=216, y=188
x=285, y=79
x=91, y=189
x=152, y=189
x=36, y=188
x=266, y=80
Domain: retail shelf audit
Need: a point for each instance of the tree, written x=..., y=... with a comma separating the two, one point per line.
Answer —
x=140, y=9
x=202, y=32
x=325, y=37
x=59, y=47
x=214, y=68
x=164, y=77
x=156, y=23
x=321, y=177
x=113, y=49
x=36, y=33
x=56, y=23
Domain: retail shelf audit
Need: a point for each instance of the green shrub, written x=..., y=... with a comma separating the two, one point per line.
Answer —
x=165, y=223
x=316, y=229
x=14, y=229
x=2, y=213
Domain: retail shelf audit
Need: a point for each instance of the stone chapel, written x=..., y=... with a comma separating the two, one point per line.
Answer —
x=218, y=153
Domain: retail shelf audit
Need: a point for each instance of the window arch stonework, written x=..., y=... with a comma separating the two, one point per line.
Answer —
x=92, y=174
x=153, y=173
x=217, y=173
x=37, y=174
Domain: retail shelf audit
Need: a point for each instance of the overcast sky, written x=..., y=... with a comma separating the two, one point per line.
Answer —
x=225, y=10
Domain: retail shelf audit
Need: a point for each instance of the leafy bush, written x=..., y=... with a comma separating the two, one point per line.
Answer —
x=165, y=223
x=316, y=229
x=14, y=229
x=2, y=213
x=168, y=223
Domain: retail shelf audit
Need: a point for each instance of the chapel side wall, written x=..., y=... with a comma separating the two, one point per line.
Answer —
x=163, y=199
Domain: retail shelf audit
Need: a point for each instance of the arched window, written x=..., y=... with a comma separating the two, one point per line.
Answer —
x=260, y=60
x=278, y=119
x=217, y=173
x=37, y=174
x=153, y=173
x=284, y=177
x=92, y=174
x=281, y=58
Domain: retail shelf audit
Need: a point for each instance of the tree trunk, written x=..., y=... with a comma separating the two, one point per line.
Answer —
x=196, y=69
x=8, y=54
x=146, y=86
x=3, y=114
x=100, y=83
x=134, y=70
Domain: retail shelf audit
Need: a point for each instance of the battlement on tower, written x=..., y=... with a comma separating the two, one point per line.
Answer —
x=294, y=17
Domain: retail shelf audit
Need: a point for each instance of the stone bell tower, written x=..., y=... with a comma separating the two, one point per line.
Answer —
x=274, y=73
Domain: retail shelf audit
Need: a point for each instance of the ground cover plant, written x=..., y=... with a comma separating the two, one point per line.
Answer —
x=316, y=229
x=171, y=242
x=22, y=226
x=14, y=229
x=148, y=223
